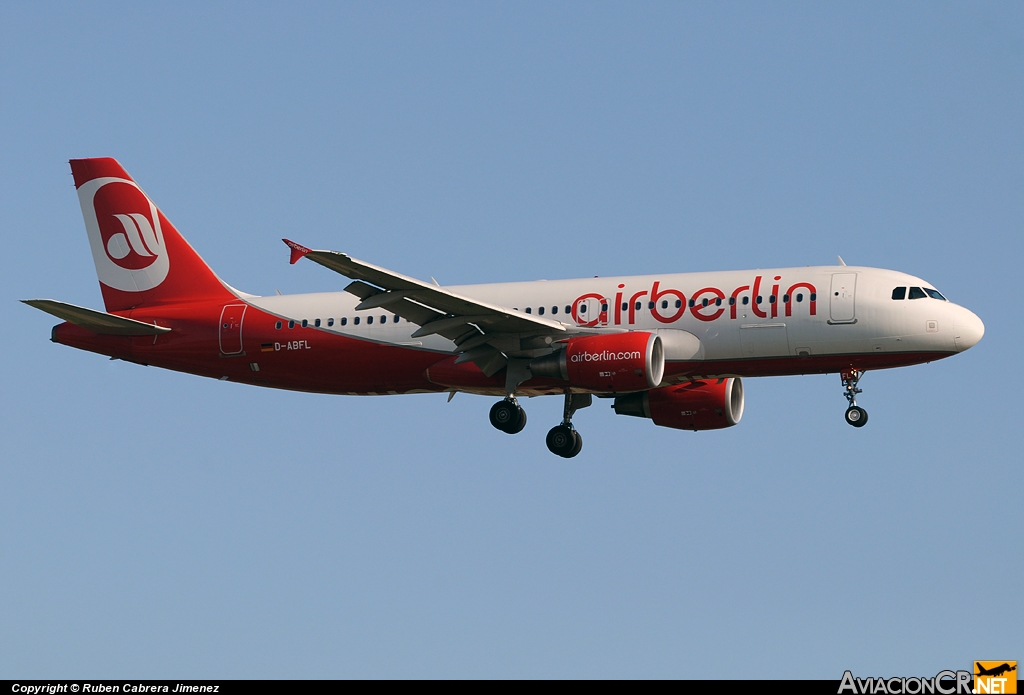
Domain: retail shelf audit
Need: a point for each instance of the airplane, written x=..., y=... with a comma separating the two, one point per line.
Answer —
x=995, y=671
x=672, y=348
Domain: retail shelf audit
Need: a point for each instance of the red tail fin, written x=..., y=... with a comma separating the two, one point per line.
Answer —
x=140, y=257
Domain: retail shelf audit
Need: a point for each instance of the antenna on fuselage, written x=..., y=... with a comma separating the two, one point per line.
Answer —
x=840, y=259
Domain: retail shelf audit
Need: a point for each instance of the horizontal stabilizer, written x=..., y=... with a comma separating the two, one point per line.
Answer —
x=95, y=321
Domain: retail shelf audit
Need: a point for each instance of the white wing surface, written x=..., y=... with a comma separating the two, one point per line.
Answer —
x=485, y=333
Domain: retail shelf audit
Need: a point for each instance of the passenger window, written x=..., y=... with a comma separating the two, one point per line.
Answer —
x=317, y=323
x=330, y=322
x=934, y=294
x=396, y=318
x=540, y=311
x=679, y=303
x=759, y=299
x=625, y=306
x=785, y=298
x=554, y=310
x=800, y=297
x=650, y=305
x=664, y=304
x=356, y=320
x=692, y=303
x=718, y=301
x=568, y=309
x=704, y=302
x=899, y=293
x=344, y=320
x=369, y=320
x=583, y=309
x=732, y=301
x=291, y=324
x=305, y=323
x=771, y=299
x=638, y=305
x=746, y=300
x=814, y=296
x=277, y=325
x=530, y=311
x=604, y=307
x=917, y=293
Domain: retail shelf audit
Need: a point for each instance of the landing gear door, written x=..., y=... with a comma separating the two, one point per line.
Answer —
x=842, y=307
x=230, y=330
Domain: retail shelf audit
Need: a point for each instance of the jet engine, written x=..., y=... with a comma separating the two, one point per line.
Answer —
x=698, y=405
x=614, y=363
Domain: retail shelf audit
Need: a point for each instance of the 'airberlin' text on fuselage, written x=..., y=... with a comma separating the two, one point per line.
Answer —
x=668, y=305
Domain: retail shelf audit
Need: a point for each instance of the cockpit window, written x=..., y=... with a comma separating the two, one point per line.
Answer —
x=899, y=293
x=917, y=293
x=934, y=294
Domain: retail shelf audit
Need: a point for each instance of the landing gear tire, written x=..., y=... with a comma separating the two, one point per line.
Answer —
x=579, y=444
x=856, y=416
x=520, y=424
x=564, y=441
x=508, y=416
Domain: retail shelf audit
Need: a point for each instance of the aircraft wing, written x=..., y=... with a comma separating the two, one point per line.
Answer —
x=482, y=331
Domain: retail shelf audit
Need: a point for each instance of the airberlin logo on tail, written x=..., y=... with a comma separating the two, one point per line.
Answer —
x=139, y=236
x=124, y=234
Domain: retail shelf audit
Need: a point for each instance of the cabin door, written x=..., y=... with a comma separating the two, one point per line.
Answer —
x=842, y=307
x=588, y=312
x=231, y=329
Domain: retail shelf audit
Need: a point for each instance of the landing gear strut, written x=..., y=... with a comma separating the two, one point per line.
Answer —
x=508, y=416
x=855, y=415
x=563, y=439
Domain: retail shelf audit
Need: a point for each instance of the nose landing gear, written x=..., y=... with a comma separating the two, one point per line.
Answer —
x=508, y=416
x=855, y=415
x=563, y=440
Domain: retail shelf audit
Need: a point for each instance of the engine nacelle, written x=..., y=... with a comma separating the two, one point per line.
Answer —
x=698, y=405
x=613, y=363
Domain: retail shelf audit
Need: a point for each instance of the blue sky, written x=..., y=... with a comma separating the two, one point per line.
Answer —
x=161, y=525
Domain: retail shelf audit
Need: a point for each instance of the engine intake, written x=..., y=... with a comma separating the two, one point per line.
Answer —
x=697, y=405
x=614, y=363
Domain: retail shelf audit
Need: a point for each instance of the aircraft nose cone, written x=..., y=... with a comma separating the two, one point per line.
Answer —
x=968, y=329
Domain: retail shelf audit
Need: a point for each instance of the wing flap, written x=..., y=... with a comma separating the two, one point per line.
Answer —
x=444, y=305
x=408, y=310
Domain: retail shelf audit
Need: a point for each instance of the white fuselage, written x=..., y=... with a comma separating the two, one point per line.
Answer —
x=809, y=311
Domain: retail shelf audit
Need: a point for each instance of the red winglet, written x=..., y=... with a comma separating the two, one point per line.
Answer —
x=298, y=250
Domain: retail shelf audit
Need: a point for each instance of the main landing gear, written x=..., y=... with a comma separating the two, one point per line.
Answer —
x=855, y=415
x=508, y=416
x=563, y=439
